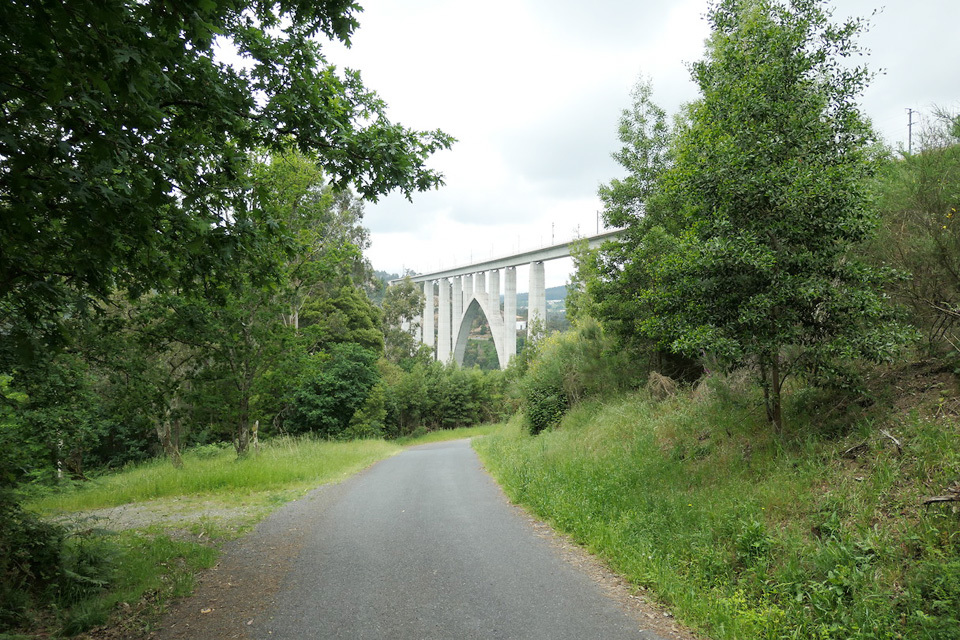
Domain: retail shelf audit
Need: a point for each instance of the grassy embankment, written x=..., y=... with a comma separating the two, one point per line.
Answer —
x=819, y=533
x=182, y=515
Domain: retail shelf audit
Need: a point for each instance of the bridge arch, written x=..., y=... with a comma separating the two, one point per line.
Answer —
x=481, y=305
x=458, y=303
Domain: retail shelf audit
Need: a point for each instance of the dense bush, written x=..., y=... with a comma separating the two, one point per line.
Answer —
x=567, y=368
x=36, y=567
x=438, y=396
x=30, y=570
x=920, y=233
x=326, y=399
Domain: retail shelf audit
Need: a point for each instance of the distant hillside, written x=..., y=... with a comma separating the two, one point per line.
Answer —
x=386, y=277
x=553, y=293
x=381, y=278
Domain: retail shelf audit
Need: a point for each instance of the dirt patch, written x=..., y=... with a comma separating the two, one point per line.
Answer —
x=244, y=583
x=928, y=387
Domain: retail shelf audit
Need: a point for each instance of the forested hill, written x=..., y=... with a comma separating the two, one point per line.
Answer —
x=553, y=293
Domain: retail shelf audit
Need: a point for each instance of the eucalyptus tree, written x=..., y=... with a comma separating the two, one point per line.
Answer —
x=402, y=307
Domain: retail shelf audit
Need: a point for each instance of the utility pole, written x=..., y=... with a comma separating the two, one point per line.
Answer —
x=910, y=113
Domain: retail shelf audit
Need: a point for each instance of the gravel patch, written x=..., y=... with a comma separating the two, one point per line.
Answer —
x=179, y=518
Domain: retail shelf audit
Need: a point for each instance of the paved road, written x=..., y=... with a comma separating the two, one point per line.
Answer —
x=423, y=545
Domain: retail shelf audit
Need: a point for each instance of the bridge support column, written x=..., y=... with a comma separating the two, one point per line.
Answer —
x=480, y=284
x=444, y=321
x=426, y=325
x=467, y=292
x=493, y=289
x=510, y=313
x=536, y=301
x=457, y=285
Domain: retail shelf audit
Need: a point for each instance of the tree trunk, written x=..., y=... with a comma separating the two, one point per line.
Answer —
x=770, y=381
x=777, y=416
x=165, y=429
x=242, y=440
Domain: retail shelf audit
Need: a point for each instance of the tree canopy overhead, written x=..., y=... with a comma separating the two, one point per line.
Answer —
x=124, y=138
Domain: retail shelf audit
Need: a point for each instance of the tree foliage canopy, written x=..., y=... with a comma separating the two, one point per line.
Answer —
x=124, y=136
x=741, y=221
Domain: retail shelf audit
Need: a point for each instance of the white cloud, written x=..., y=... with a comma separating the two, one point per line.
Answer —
x=533, y=89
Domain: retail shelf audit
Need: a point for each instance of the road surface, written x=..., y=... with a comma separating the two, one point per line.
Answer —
x=421, y=546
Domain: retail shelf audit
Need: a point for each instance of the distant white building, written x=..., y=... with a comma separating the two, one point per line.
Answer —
x=521, y=325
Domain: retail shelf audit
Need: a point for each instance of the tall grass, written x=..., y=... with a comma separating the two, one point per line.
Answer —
x=442, y=435
x=281, y=464
x=142, y=572
x=746, y=535
x=286, y=464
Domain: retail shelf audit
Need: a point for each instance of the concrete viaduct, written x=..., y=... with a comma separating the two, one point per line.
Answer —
x=470, y=290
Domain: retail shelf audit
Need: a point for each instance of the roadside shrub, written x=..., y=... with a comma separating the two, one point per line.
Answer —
x=546, y=405
x=567, y=368
x=367, y=421
x=920, y=233
x=30, y=568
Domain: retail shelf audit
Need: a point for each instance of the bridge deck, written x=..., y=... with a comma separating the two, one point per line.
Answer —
x=553, y=252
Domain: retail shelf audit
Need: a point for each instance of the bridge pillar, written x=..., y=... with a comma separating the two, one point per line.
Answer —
x=426, y=325
x=480, y=284
x=509, y=313
x=444, y=321
x=457, y=285
x=536, y=301
x=467, y=292
x=493, y=289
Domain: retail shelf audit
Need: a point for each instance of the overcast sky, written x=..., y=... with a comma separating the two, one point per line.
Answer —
x=533, y=89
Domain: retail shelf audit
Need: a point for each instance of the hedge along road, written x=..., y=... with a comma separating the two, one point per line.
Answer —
x=421, y=545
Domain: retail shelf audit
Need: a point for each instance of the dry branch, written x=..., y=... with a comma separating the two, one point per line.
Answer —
x=894, y=440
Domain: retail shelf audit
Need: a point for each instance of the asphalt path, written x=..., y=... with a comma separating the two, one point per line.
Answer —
x=423, y=545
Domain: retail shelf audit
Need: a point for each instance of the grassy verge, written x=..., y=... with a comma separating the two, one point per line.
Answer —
x=286, y=465
x=745, y=535
x=443, y=435
x=139, y=536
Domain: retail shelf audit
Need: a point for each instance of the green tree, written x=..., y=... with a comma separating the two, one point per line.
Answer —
x=742, y=220
x=320, y=225
x=124, y=140
x=327, y=397
x=607, y=282
x=347, y=315
x=772, y=173
x=920, y=232
x=402, y=305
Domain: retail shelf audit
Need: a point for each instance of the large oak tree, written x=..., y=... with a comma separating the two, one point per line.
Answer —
x=124, y=136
